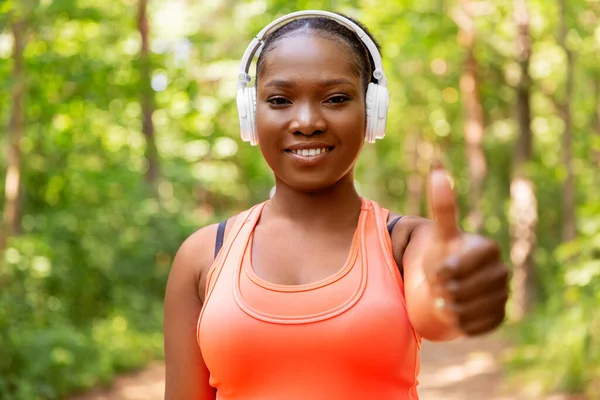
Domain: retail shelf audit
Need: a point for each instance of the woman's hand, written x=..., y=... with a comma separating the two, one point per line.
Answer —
x=465, y=272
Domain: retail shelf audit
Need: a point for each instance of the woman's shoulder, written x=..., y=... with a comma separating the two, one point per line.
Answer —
x=196, y=254
x=200, y=245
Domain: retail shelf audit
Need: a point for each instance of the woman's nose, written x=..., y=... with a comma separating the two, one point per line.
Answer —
x=308, y=119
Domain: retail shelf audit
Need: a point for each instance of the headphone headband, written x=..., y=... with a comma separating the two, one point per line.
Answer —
x=258, y=41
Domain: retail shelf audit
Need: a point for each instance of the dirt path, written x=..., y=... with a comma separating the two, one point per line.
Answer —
x=146, y=385
x=461, y=370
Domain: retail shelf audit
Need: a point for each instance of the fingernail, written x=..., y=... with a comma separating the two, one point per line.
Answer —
x=436, y=164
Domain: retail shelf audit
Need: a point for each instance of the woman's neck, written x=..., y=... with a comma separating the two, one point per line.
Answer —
x=337, y=206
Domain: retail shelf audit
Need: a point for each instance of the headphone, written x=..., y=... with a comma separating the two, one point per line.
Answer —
x=377, y=97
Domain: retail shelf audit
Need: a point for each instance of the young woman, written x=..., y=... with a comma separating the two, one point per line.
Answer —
x=318, y=293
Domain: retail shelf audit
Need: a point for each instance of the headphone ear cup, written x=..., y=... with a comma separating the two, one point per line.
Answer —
x=371, y=100
x=246, y=105
x=380, y=112
x=377, y=100
x=244, y=117
x=252, y=113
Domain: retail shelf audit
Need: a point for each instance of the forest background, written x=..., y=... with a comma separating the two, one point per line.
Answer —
x=120, y=138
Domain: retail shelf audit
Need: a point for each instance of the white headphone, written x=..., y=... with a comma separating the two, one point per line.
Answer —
x=377, y=93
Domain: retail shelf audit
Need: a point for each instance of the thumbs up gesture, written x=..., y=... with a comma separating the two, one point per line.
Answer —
x=465, y=272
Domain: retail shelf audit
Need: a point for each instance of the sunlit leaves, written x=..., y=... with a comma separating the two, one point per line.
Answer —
x=94, y=246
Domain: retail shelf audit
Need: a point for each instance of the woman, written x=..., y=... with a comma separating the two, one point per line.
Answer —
x=318, y=293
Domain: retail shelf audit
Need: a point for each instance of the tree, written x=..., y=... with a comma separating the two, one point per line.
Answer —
x=16, y=127
x=415, y=182
x=473, y=113
x=146, y=96
x=568, y=194
x=596, y=155
x=523, y=210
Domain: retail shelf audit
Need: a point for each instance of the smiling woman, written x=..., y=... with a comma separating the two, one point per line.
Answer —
x=319, y=293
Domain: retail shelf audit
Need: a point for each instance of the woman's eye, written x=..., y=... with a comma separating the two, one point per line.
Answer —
x=338, y=99
x=278, y=101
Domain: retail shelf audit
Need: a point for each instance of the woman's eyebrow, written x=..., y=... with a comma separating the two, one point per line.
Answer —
x=336, y=81
x=280, y=83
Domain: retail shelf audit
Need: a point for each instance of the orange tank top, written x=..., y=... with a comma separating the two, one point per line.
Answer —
x=344, y=337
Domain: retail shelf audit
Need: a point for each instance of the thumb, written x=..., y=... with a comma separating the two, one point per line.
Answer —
x=442, y=202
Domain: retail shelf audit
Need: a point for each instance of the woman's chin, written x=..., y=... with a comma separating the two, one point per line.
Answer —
x=311, y=184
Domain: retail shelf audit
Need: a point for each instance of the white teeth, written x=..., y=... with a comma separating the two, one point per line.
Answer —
x=309, y=152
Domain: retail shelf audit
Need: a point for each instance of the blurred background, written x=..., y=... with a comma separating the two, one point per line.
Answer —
x=120, y=138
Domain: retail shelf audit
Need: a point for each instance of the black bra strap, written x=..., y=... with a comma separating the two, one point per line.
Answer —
x=390, y=228
x=392, y=223
x=220, y=235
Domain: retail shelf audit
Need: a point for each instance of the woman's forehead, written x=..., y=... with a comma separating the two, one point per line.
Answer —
x=306, y=53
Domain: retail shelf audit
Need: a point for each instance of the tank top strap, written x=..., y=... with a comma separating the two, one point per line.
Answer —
x=385, y=242
x=381, y=214
x=385, y=213
x=240, y=232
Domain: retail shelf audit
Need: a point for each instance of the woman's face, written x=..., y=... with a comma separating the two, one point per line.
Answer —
x=310, y=112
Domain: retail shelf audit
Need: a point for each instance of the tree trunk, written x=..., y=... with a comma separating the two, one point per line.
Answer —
x=569, y=230
x=523, y=208
x=147, y=96
x=415, y=181
x=12, y=188
x=596, y=153
x=473, y=118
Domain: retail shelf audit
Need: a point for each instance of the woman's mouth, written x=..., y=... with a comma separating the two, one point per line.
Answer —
x=310, y=152
x=309, y=157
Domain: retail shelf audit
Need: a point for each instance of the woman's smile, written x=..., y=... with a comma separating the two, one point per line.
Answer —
x=309, y=154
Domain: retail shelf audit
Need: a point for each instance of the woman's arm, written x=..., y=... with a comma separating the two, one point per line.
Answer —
x=425, y=318
x=409, y=243
x=455, y=283
x=186, y=374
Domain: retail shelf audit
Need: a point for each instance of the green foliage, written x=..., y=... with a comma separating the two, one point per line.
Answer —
x=81, y=288
x=561, y=344
x=80, y=303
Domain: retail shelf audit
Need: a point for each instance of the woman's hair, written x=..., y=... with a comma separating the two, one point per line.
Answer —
x=362, y=62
